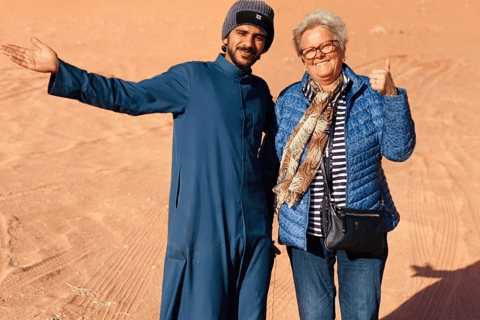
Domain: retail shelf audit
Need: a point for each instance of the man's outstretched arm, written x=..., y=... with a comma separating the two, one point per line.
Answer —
x=40, y=59
x=166, y=93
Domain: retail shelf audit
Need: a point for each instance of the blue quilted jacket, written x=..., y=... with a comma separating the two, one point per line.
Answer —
x=376, y=126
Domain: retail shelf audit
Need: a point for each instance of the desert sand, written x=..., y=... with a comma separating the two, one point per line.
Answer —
x=83, y=191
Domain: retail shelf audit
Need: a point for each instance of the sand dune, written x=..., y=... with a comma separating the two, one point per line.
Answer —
x=83, y=192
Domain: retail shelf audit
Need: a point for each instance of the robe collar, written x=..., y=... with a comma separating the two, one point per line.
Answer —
x=231, y=70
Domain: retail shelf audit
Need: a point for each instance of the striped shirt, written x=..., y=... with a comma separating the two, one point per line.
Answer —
x=338, y=164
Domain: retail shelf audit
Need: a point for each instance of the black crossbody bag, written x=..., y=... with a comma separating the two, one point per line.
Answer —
x=349, y=229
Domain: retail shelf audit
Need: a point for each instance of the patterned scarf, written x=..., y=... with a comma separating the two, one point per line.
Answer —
x=293, y=182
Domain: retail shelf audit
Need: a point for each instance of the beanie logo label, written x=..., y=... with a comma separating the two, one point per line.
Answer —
x=256, y=19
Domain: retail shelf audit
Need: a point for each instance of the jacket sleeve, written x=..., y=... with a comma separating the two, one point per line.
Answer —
x=268, y=159
x=164, y=93
x=398, y=132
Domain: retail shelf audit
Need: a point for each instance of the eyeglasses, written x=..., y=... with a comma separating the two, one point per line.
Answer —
x=324, y=48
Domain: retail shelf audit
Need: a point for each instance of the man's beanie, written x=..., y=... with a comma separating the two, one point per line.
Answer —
x=255, y=13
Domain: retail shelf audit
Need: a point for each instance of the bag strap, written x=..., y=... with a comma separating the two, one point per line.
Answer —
x=325, y=168
x=326, y=182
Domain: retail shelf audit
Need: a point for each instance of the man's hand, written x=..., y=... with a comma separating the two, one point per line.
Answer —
x=40, y=59
x=276, y=249
x=382, y=81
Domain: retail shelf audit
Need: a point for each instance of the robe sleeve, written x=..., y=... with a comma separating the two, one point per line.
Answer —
x=165, y=93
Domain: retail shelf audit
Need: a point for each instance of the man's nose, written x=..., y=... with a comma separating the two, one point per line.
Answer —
x=250, y=41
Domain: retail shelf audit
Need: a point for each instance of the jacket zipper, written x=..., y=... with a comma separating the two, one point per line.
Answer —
x=348, y=105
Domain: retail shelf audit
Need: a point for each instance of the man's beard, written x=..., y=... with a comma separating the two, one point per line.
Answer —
x=244, y=66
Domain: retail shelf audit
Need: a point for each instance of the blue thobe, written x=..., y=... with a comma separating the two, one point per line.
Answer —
x=219, y=251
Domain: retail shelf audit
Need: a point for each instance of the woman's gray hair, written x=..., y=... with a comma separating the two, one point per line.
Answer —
x=321, y=18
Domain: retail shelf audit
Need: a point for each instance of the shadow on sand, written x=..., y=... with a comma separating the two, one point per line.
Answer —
x=456, y=296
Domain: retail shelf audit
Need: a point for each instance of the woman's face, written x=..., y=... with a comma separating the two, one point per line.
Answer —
x=324, y=68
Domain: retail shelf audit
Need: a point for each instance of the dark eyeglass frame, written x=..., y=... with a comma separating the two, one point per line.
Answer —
x=308, y=51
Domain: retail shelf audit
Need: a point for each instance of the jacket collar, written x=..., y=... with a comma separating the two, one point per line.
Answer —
x=356, y=81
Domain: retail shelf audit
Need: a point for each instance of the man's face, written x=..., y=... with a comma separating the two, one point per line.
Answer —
x=245, y=45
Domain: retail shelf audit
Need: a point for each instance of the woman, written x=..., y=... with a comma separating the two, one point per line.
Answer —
x=369, y=119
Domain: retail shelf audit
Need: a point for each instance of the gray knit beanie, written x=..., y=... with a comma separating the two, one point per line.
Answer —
x=255, y=13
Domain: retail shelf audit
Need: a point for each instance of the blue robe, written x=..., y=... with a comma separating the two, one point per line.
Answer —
x=219, y=251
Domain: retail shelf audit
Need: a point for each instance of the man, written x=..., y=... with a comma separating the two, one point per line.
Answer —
x=219, y=252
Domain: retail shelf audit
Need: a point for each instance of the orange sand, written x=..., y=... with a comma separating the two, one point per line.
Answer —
x=83, y=191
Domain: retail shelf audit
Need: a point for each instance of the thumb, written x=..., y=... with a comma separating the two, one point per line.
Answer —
x=37, y=43
x=387, y=64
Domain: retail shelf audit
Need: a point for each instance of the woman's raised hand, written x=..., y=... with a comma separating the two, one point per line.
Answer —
x=382, y=81
x=40, y=59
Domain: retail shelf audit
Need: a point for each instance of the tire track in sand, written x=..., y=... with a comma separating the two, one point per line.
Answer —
x=115, y=287
x=464, y=173
x=25, y=275
x=435, y=217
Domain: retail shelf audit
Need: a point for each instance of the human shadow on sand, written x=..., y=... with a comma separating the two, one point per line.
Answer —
x=456, y=296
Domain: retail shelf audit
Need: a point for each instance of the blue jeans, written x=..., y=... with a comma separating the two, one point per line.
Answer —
x=359, y=281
